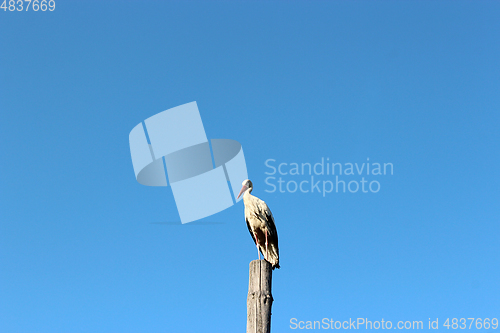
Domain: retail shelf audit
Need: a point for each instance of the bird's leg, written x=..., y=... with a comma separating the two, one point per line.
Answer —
x=257, y=244
x=266, y=246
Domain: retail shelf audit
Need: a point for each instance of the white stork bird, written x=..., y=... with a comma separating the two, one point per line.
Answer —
x=260, y=223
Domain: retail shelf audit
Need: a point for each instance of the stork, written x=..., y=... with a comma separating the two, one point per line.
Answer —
x=260, y=223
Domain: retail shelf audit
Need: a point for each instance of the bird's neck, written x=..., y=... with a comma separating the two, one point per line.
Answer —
x=247, y=196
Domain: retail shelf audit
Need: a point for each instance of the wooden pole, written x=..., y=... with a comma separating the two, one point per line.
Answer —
x=260, y=299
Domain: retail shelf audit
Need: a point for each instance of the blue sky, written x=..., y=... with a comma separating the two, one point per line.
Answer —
x=412, y=83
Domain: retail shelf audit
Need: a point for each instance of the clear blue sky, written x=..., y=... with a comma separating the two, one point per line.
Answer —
x=412, y=83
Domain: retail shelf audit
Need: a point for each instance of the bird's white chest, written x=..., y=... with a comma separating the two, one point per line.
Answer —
x=255, y=222
x=253, y=213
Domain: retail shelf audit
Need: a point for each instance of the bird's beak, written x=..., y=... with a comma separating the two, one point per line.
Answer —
x=243, y=189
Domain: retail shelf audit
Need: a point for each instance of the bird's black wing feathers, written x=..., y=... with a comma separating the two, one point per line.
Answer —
x=266, y=214
x=273, y=233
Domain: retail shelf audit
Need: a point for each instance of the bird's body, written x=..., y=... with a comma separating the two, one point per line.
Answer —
x=260, y=223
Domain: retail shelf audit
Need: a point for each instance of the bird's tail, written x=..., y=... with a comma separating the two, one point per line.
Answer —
x=273, y=256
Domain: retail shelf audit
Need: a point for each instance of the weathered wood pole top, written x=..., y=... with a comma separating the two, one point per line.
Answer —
x=260, y=299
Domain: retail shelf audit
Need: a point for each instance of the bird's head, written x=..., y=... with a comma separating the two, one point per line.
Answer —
x=246, y=185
